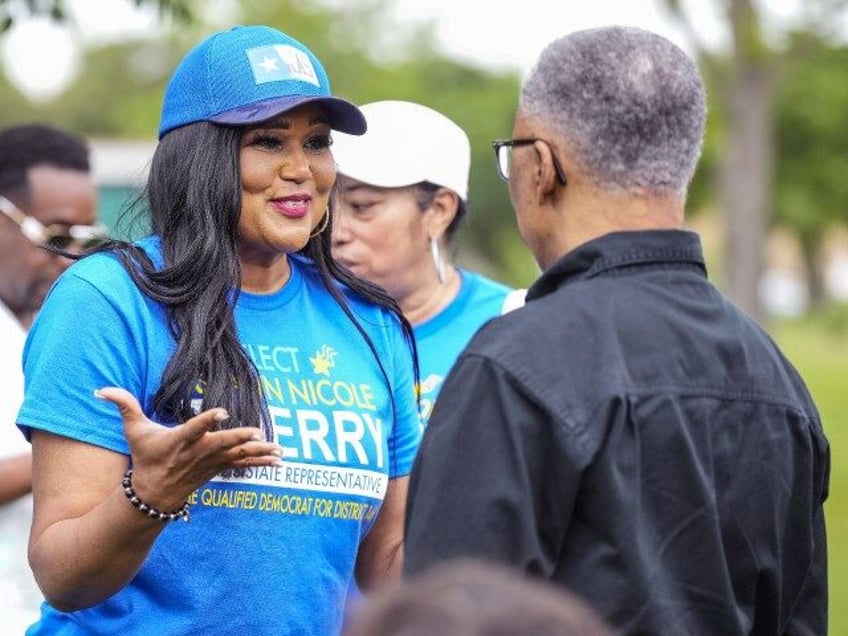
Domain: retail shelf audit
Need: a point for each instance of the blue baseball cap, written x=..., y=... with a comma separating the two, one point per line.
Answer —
x=247, y=74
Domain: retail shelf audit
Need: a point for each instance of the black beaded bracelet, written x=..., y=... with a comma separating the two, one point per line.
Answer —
x=150, y=511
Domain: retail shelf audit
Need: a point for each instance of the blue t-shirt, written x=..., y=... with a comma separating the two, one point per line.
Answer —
x=442, y=337
x=268, y=550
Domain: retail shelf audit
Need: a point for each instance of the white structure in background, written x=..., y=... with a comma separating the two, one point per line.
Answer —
x=118, y=162
x=783, y=292
x=120, y=170
x=836, y=276
x=783, y=289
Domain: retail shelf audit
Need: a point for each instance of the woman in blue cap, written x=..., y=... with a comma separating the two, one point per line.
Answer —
x=262, y=392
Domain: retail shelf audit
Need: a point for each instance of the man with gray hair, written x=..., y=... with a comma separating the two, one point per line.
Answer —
x=628, y=433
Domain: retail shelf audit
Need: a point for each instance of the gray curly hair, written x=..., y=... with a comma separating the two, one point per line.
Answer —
x=628, y=103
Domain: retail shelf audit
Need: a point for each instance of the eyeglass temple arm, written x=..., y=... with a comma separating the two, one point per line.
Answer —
x=31, y=227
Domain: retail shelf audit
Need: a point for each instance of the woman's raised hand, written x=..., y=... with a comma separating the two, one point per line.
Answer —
x=170, y=463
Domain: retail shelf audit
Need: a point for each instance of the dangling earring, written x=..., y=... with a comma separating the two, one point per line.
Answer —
x=437, y=260
x=323, y=225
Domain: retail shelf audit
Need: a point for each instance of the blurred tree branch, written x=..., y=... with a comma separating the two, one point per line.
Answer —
x=13, y=10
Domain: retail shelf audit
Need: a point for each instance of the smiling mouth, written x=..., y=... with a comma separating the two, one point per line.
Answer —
x=293, y=208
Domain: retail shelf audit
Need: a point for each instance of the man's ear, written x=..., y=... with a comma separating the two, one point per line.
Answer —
x=547, y=182
x=442, y=212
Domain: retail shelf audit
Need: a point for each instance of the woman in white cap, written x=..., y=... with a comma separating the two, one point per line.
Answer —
x=261, y=390
x=402, y=193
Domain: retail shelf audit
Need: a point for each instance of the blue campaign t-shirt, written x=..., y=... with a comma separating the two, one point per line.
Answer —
x=268, y=550
x=441, y=338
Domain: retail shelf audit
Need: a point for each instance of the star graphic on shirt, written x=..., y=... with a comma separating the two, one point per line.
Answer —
x=322, y=361
x=268, y=64
x=320, y=365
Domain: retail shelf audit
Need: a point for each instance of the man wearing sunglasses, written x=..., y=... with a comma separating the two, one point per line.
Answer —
x=48, y=199
x=629, y=433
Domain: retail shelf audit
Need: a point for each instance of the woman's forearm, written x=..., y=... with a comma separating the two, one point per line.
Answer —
x=81, y=561
x=88, y=540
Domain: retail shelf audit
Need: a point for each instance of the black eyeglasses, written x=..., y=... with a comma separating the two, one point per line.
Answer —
x=56, y=235
x=503, y=156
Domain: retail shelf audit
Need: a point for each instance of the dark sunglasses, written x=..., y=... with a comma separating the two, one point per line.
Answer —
x=57, y=235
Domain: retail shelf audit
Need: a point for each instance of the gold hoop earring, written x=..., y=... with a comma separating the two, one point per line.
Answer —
x=323, y=225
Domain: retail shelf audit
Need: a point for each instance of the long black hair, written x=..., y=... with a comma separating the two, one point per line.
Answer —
x=193, y=194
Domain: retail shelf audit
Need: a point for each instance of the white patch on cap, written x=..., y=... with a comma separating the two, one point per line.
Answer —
x=280, y=62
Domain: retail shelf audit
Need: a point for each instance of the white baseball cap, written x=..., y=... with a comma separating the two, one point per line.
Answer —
x=405, y=144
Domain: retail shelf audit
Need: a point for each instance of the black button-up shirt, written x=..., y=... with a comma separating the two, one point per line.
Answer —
x=632, y=435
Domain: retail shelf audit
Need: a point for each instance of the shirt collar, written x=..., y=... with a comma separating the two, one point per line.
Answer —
x=620, y=249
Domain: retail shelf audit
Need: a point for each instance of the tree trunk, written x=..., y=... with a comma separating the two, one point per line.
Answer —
x=746, y=170
x=810, y=247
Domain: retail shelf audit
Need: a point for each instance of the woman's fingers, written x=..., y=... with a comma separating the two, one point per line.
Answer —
x=256, y=453
x=125, y=401
x=190, y=432
x=236, y=446
x=135, y=421
x=195, y=428
x=195, y=439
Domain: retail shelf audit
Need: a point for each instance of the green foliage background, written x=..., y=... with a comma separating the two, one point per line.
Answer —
x=811, y=171
x=818, y=346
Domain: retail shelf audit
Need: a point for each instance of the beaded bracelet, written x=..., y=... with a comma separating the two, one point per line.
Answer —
x=150, y=511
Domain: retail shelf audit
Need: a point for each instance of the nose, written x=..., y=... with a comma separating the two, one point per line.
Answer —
x=341, y=228
x=295, y=166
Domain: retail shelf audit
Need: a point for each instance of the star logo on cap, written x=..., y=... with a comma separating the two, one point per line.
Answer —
x=281, y=62
x=268, y=64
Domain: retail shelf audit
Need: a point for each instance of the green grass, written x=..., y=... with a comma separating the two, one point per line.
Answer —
x=818, y=347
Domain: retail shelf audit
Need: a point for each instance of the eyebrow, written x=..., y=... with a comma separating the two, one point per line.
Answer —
x=349, y=185
x=282, y=121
